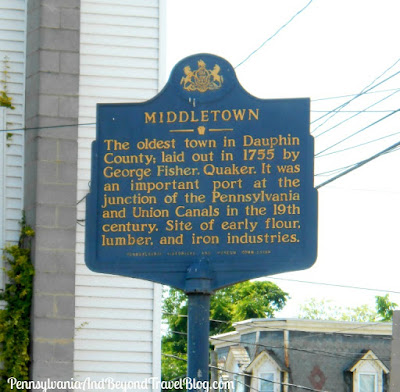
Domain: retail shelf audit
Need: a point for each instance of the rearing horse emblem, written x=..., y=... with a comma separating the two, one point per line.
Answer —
x=202, y=79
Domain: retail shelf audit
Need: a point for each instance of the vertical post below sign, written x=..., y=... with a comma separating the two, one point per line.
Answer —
x=202, y=187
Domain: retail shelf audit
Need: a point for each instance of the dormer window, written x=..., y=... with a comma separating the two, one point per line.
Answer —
x=368, y=373
x=368, y=382
x=267, y=381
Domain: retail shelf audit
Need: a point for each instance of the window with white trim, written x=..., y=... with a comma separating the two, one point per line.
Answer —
x=239, y=383
x=266, y=382
x=368, y=373
x=266, y=374
x=368, y=382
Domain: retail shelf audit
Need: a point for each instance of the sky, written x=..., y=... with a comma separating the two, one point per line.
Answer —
x=331, y=48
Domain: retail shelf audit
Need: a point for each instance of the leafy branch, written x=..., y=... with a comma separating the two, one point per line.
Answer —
x=15, y=317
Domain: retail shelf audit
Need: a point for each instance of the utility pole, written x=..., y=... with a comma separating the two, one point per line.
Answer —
x=395, y=358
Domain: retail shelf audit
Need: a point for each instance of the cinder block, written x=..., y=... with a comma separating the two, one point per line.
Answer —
x=30, y=214
x=57, y=194
x=43, y=351
x=58, y=84
x=64, y=351
x=69, y=63
x=32, y=89
x=67, y=150
x=32, y=41
x=70, y=18
x=32, y=64
x=65, y=306
x=33, y=4
x=50, y=328
x=47, y=148
x=60, y=39
x=31, y=101
x=54, y=284
x=62, y=3
x=69, y=106
x=50, y=17
x=49, y=61
x=43, y=370
x=56, y=127
x=67, y=172
x=66, y=217
x=48, y=105
x=44, y=305
x=45, y=214
x=55, y=261
x=55, y=238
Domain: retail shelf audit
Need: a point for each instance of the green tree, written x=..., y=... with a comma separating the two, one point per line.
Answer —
x=5, y=99
x=231, y=304
x=385, y=308
x=325, y=310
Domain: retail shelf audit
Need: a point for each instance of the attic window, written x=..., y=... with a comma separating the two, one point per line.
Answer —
x=266, y=382
x=368, y=373
x=368, y=382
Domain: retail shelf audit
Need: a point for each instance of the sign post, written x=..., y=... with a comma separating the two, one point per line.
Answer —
x=202, y=187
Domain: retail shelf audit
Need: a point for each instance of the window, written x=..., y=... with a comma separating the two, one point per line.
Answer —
x=239, y=383
x=368, y=383
x=368, y=373
x=266, y=382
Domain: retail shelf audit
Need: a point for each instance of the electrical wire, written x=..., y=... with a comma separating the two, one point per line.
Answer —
x=330, y=354
x=185, y=316
x=338, y=108
x=45, y=127
x=335, y=285
x=357, y=132
x=341, y=354
x=273, y=382
x=243, y=374
x=358, y=145
x=354, y=111
x=273, y=35
x=359, y=164
x=358, y=113
x=351, y=95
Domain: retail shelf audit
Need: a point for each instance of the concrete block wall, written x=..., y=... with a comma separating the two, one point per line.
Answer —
x=52, y=88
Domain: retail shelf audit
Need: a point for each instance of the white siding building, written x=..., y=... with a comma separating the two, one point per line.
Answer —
x=12, y=55
x=119, y=62
x=76, y=54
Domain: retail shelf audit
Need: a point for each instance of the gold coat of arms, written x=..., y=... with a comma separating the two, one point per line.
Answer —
x=202, y=79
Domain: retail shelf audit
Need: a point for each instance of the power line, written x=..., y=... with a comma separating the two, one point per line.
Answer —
x=243, y=374
x=358, y=113
x=359, y=164
x=328, y=172
x=358, y=145
x=185, y=316
x=338, y=108
x=274, y=382
x=357, y=132
x=45, y=127
x=330, y=354
x=353, y=111
x=273, y=35
x=351, y=95
x=335, y=285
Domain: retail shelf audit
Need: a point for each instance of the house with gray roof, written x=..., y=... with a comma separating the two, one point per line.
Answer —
x=289, y=355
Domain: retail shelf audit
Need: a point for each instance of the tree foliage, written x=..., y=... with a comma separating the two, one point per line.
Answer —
x=15, y=317
x=231, y=304
x=325, y=310
x=5, y=99
x=385, y=308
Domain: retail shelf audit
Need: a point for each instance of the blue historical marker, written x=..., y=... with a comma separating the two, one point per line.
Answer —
x=203, y=186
